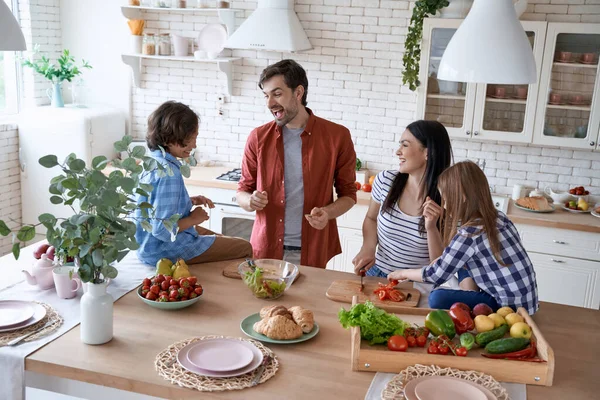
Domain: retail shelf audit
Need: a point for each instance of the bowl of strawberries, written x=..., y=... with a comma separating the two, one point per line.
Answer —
x=167, y=293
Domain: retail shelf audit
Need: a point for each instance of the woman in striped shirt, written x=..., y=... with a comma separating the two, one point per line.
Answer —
x=395, y=234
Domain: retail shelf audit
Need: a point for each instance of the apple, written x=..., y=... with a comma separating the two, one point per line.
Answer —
x=498, y=319
x=482, y=309
x=41, y=249
x=520, y=330
x=50, y=252
x=504, y=311
x=513, y=318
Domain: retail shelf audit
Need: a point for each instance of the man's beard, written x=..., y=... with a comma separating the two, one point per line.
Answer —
x=290, y=114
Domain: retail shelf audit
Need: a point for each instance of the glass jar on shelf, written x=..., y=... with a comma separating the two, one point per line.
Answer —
x=164, y=44
x=149, y=44
x=179, y=4
x=222, y=4
x=205, y=3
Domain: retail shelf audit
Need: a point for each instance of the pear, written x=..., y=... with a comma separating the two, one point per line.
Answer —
x=181, y=270
x=163, y=267
x=582, y=204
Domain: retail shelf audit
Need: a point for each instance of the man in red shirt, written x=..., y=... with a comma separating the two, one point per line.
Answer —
x=289, y=170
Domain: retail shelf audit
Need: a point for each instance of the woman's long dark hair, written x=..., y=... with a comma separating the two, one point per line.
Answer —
x=434, y=137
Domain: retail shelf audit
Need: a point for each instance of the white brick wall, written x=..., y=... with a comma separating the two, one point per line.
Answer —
x=10, y=195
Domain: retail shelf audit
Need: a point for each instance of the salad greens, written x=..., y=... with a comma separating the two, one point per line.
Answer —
x=263, y=288
x=376, y=325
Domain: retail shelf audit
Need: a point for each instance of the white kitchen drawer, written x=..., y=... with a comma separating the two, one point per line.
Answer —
x=354, y=217
x=566, y=280
x=561, y=242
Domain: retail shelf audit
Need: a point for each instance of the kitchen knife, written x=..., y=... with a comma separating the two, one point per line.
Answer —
x=362, y=274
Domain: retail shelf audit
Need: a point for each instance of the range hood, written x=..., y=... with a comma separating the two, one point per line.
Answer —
x=273, y=26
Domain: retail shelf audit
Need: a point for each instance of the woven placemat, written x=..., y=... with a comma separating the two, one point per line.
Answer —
x=167, y=366
x=394, y=390
x=54, y=319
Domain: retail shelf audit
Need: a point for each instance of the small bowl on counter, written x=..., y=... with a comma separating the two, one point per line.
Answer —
x=267, y=278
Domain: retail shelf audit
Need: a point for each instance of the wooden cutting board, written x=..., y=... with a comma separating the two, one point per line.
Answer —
x=344, y=290
x=231, y=270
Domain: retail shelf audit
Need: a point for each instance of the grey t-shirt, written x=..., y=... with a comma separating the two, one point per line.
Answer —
x=294, y=186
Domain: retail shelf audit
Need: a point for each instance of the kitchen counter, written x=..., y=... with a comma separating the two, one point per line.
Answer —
x=205, y=177
x=318, y=368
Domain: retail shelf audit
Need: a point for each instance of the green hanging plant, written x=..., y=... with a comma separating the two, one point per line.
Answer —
x=412, y=45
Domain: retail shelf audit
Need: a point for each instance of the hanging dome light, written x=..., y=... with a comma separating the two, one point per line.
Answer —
x=490, y=46
x=11, y=37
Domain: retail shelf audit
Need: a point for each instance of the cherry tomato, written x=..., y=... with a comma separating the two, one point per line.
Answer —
x=146, y=282
x=421, y=340
x=366, y=187
x=410, y=331
x=358, y=185
x=155, y=289
x=412, y=342
x=432, y=349
x=397, y=343
x=164, y=285
x=443, y=349
x=461, y=351
x=192, y=280
x=198, y=290
x=151, y=296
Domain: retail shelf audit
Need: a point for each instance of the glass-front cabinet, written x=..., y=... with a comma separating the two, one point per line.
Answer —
x=568, y=113
x=488, y=112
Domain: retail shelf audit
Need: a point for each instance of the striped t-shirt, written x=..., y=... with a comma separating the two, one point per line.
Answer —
x=400, y=243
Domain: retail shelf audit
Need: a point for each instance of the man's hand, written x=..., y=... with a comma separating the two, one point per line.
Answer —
x=258, y=200
x=198, y=215
x=202, y=201
x=318, y=218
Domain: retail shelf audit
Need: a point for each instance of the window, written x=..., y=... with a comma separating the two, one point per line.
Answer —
x=9, y=98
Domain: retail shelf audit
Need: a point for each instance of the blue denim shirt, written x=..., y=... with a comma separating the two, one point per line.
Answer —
x=168, y=197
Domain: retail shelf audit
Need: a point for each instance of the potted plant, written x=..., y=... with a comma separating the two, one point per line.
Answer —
x=101, y=229
x=412, y=44
x=66, y=70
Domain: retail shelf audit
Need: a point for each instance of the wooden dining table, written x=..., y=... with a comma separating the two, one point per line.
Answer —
x=319, y=368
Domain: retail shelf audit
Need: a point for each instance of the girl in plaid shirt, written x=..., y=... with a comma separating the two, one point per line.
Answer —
x=482, y=246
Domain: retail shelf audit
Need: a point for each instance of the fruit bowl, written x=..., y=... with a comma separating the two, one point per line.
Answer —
x=167, y=305
x=266, y=278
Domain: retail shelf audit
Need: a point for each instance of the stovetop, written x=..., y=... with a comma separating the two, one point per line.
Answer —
x=233, y=176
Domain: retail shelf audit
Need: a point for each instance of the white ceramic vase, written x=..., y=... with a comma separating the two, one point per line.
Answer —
x=96, y=314
x=456, y=9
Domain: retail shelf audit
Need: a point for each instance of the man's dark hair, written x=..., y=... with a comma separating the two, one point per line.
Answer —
x=171, y=123
x=293, y=75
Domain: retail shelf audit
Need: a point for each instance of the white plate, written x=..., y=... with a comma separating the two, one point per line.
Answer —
x=220, y=355
x=212, y=38
x=535, y=211
x=448, y=388
x=14, y=312
x=39, y=312
x=595, y=214
x=577, y=211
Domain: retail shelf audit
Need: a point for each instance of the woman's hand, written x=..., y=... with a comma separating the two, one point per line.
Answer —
x=431, y=212
x=202, y=201
x=365, y=259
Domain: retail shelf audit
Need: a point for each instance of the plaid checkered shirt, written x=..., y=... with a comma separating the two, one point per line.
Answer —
x=512, y=285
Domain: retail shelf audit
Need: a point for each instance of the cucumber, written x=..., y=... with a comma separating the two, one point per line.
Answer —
x=482, y=339
x=506, y=345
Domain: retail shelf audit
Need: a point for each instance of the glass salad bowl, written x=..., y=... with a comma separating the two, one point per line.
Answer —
x=266, y=278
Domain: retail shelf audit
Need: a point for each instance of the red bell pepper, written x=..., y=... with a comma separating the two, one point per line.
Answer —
x=462, y=320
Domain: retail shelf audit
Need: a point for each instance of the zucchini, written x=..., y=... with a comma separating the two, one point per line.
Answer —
x=506, y=345
x=483, y=338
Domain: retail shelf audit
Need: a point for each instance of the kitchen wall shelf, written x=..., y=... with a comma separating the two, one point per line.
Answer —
x=226, y=15
x=225, y=65
x=569, y=107
x=506, y=101
x=575, y=65
x=446, y=96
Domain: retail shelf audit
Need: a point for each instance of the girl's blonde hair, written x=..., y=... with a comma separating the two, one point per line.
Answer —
x=466, y=195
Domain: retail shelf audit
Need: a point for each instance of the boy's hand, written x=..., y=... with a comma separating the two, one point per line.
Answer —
x=202, y=201
x=198, y=215
x=258, y=200
x=318, y=218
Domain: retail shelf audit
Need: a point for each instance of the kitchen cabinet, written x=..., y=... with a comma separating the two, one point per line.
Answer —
x=568, y=112
x=567, y=264
x=350, y=232
x=479, y=111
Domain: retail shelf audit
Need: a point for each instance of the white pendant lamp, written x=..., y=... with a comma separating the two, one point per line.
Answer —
x=490, y=46
x=11, y=36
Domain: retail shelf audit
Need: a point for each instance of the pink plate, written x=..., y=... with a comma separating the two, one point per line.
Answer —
x=220, y=355
x=39, y=313
x=182, y=358
x=13, y=312
x=449, y=388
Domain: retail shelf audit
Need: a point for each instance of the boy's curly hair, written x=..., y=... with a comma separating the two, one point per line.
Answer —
x=171, y=123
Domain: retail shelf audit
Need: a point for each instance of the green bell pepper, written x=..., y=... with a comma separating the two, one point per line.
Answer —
x=439, y=323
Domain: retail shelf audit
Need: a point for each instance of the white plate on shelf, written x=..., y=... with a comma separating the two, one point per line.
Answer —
x=212, y=38
x=595, y=214
x=576, y=211
x=39, y=312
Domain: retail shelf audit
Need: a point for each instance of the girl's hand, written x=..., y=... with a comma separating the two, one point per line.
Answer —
x=397, y=275
x=431, y=212
x=365, y=259
x=202, y=201
x=198, y=215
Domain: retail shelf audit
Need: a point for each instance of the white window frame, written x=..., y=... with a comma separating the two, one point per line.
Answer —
x=11, y=73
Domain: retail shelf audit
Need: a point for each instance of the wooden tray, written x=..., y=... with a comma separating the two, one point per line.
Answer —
x=343, y=291
x=378, y=358
x=231, y=270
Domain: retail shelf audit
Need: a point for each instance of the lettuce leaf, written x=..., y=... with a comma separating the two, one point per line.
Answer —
x=376, y=325
x=263, y=288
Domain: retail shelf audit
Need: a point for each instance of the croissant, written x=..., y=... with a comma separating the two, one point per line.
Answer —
x=303, y=317
x=270, y=311
x=278, y=328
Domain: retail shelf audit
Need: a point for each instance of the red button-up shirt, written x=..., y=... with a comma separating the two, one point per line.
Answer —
x=328, y=161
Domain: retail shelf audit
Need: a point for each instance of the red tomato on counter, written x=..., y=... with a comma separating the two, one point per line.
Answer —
x=397, y=343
